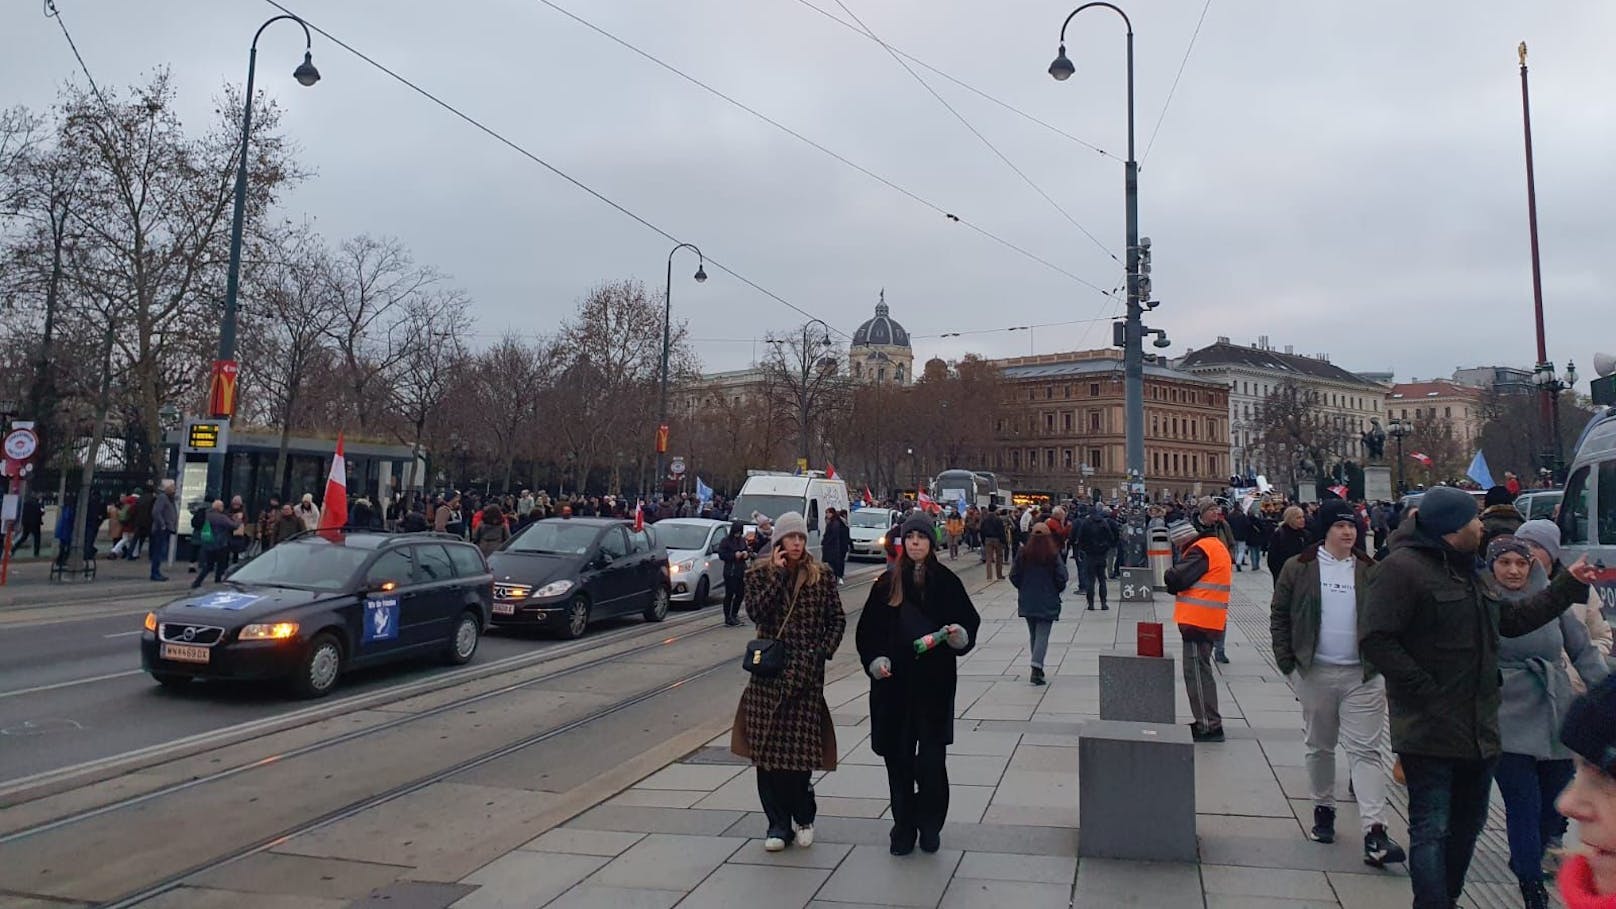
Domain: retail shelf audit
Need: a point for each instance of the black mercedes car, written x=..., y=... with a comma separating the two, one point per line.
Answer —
x=322, y=603
x=560, y=574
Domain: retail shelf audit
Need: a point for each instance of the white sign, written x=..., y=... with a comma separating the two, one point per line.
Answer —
x=677, y=466
x=9, y=510
x=21, y=444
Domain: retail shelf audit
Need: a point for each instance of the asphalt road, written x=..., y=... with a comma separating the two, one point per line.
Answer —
x=72, y=691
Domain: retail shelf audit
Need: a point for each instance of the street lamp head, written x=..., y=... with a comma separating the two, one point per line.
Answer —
x=1571, y=372
x=1062, y=69
x=701, y=273
x=306, y=74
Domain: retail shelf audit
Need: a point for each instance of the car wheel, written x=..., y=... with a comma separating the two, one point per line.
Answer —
x=658, y=610
x=577, y=617
x=463, y=643
x=171, y=679
x=321, y=666
x=703, y=592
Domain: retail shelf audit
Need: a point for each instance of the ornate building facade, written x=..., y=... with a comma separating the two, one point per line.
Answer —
x=880, y=352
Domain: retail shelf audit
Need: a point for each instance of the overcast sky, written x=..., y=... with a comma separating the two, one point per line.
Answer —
x=1340, y=177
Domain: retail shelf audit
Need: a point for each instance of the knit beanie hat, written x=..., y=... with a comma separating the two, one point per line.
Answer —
x=1333, y=512
x=919, y=523
x=1499, y=495
x=1443, y=510
x=1590, y=726
x=790, y=523
x=1507, y=543
x=1543, y=534
x=1180, y=532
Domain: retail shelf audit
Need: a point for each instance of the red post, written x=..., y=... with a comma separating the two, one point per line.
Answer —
x=1531, y=221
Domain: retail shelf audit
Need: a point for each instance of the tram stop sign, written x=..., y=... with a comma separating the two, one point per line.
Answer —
x=677, y=467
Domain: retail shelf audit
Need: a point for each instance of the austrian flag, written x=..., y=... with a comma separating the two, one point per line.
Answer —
x=1422, y=457
x=335, y=514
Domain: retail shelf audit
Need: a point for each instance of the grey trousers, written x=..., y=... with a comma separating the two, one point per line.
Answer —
x=1201, y=683
x=1038, y=636
x=1340, y=708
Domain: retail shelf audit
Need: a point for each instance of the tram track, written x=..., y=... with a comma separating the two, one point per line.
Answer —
x=241, y=773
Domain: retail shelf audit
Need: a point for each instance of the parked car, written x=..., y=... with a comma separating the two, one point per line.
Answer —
x=1538, y=503
x=694, y=572
x=561, y=574
x=868, y=528
x=317, y=605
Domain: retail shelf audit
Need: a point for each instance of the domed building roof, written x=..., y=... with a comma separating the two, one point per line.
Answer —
x=881, y=331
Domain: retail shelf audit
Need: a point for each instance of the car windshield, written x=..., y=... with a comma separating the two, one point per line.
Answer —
x=681, y=536
x=554, y=536
x=772, y=506
x=313, y=564
x=877, y=519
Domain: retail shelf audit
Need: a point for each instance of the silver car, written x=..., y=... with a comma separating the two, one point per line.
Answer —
x=868, y=529
x=694, y=572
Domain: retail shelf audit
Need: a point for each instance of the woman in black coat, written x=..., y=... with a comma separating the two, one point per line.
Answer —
x=1290, y=538
x=1039, y=576
x=736, y=555
x=912, y=694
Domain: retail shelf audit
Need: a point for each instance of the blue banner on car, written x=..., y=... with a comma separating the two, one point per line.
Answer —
x=381, y=620
x=226, y=599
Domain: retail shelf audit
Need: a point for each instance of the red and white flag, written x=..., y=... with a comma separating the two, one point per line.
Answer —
x=1422, y=457
x=869, y=500
x=334, y=513
x=639, y=515
x=830, y=471
x=1340, y=491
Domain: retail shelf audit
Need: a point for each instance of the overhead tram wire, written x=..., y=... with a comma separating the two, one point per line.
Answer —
x=51, y=12
x=1181, y=64
x=961, y=83
x=916, y=197
x=977, y=133
x=501, y=138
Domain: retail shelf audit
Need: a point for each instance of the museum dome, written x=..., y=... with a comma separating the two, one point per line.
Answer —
x=881, y=331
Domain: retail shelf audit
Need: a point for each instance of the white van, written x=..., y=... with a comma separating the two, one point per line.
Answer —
x=1588, y=509
x=775, y=493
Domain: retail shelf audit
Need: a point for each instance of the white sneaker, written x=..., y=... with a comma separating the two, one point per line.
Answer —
x=774, y=844
x=805, y=836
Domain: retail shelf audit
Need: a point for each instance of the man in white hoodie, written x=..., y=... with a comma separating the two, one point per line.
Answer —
x=1315, y=622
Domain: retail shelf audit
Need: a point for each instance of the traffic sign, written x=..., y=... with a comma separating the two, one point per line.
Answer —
x=676, y=466
x=21, y=444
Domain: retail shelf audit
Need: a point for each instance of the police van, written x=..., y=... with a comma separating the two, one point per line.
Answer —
x=1588, y=509
x=773, y=493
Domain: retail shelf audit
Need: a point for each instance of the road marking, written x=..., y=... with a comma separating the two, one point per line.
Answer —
x=123, y=634
x=94, y=678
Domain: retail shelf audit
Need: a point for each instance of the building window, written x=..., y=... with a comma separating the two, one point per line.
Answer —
x=858, y=370
x=1195, y=465
x=1175, y=427
x=1094, y=421
x=1066, y=459
x=1015, y=459
x=1049, y=392
x=1094, y=389
x=1175, y=463
x=881, y=374
x=1212, y=465
x=998, y=425
x=1066, y=391
x=1066, y=419
x=1155, y=425
x=1049, y=458
x=1094, y=458
x=1447, y=412
x=1195, y=429
x=897, y=374
x=1049, y=423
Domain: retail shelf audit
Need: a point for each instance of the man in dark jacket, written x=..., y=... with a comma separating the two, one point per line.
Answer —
x=33, y=524
x=1315, y=621
x=836, y=542
x=287, y=524
x=214, y=538
x=1240, y=526
x=165, y=521
x=1432, y=630
x=1095, y=538
x=995, y=540
x=736, y=555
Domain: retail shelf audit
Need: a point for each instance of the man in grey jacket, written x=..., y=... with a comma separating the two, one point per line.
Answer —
x=1315, y=621
x=165, y=520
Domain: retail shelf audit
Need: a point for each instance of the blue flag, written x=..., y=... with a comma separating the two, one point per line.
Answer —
x=1478, y=471
x=704, y=493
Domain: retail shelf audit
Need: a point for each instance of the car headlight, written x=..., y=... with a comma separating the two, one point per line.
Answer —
x=268, y=631
x=881, y=541
x=554, y=589
x=686, y=565
x=151, y=621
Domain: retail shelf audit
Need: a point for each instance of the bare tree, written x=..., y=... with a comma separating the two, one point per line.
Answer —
x=803, y=377
x=375, y=282
x=505, y=377
x=1290, y=430
x=434, y=357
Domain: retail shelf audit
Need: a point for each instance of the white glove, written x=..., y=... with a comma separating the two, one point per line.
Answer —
x=958, y=637
x=881, y=668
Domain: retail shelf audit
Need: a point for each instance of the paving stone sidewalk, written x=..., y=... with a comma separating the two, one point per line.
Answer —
x=688, y=835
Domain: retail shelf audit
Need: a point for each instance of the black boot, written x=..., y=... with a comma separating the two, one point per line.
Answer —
x=1323, y=824
x=1037, y=677
x=1534, y=895
x=903, y=840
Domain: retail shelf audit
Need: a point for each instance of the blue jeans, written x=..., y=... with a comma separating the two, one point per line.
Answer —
x=1529, y=787
x=1447, y=808
x=159, y=551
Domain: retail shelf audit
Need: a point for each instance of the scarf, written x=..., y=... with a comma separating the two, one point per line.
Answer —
x=1576, y=879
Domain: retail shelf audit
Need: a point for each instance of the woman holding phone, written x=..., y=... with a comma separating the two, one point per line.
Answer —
x=916, y=624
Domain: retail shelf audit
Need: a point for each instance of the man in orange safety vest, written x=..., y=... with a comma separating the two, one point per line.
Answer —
x=1200, y=580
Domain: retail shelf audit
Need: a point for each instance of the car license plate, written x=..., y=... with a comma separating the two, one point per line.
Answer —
x=504, y=609
x=180, y=653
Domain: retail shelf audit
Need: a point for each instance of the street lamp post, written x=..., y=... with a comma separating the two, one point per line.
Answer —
x=1133, y=329
x=1400, y=429
x=1551, y=384
x=306, y=75
x=667, y=340
x=1237, y=444
x=1546, y=402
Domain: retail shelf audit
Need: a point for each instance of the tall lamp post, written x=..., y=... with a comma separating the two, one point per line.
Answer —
x=1400, y=430
x=1551, y=384
x=1132, y=333
x=306, y=75
x=667, y=340
x=1543, y=373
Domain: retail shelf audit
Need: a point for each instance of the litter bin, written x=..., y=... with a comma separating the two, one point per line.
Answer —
x=1161, y=556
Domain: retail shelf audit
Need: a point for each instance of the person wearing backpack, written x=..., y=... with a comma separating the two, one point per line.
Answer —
x=1096, y=538
x=214, y=537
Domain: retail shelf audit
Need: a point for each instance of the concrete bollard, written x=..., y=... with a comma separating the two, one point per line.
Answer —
x=1136, y=792
x=1137, y=689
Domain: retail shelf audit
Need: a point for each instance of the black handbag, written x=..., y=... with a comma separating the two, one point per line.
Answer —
x=766, y=657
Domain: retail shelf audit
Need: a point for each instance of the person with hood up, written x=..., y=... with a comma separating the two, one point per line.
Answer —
x=1039, y=576
x=1588, y=879
x=1536, y=693
x=1289, y=540
x=1315, y=620
x=912, y=693
x=1432, y=629
x=736, y=555
x=783, y=723
x=1200, y=581
x=1499, y=516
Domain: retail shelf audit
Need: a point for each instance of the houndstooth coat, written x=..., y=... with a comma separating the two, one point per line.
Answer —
x=783, y=723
